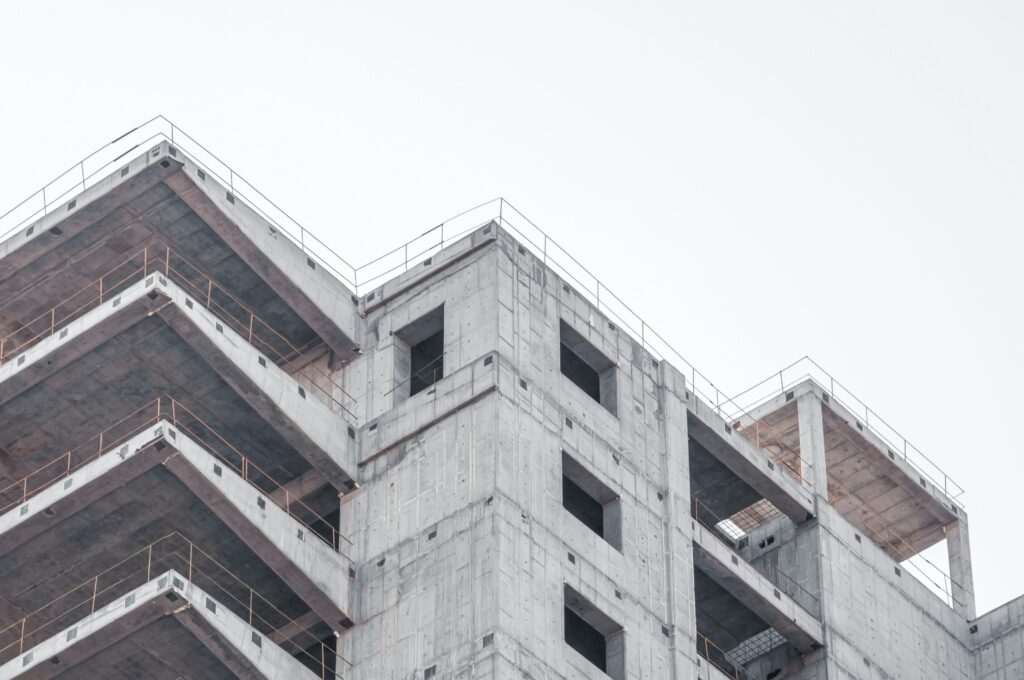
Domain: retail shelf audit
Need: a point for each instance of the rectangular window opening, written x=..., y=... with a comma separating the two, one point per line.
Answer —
x=419, y=354
x=589, y=369
x=594, y=635
x=591, y=501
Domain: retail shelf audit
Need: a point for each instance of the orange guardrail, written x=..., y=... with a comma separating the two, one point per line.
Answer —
x=160, y=259
x=186, y=420
x=777, y=576
x=720, y=659
x=173, y=551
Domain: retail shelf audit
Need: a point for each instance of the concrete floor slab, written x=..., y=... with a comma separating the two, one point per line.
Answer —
x=227, y=637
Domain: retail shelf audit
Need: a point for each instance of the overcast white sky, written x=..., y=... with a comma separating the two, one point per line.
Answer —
x=759, y=180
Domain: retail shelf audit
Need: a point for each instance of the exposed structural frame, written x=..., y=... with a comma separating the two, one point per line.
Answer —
x=363, y=279
x=724, y=527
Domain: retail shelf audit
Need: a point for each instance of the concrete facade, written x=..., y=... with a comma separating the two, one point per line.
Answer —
x=220, y=460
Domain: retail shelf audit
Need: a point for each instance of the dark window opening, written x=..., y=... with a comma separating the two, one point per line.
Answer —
x=582, y=507
x=585, y=639
x=419, y=354
x=594, y=635
x=427, y=359
x=580, y=372
x=587, y=368
x=591, y=501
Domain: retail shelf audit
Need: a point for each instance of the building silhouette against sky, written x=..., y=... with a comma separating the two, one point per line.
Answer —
x=227, y=452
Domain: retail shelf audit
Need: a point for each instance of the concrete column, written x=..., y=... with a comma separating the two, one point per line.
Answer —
x=958, y=543
x=682, y=621
x=812, y=443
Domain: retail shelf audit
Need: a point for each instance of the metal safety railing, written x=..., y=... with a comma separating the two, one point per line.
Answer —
x=170, y=410
x=810, y=601
x=720, y=659
x=225, y=306
x=362, y=278
x=807, y=369
x=176, y=552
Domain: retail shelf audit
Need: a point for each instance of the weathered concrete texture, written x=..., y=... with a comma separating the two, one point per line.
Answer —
x=676, y=544
x=997, y=640
x=246, y=654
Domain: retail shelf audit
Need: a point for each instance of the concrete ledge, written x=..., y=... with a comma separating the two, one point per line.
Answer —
x=431, y=266
x=421, y=411
x=756, y=592
x=81, y=211
x=316, y=432
x=227, y=636
x=315, y=293
x=748, y=462
x=315, y=571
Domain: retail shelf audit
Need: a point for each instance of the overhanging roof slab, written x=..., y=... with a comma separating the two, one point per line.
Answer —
x=869, y=483
x=163, y=197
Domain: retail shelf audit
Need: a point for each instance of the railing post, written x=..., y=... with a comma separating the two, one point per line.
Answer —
x=209, y=292
x=251, y=317
x=95, y=587
x=69, y=462
x=168, y=264
x=250, y=607
x=149, y=563
x=53, y=320
x=323, y=661
x=21, y=643
x=287, y=502
x=24, y=490
x=101, y=288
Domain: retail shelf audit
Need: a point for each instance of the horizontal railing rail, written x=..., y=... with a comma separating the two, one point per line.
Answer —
x=172, y=551
x=807, y=369
x=167, y=409
x=363, y=278
x=811, y=601
x=225, y=306
x=720, y=659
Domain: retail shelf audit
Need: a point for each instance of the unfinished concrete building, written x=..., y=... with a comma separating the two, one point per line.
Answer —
x=226, y=452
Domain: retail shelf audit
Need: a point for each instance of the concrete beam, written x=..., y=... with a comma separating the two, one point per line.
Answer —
x=301, y=487
x=961, y=573
x=812, y=443
x=238, y=645
x=316, y=294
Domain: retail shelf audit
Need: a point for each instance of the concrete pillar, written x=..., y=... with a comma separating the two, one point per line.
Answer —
x=682, y=621
x=958, y=544
x=812, y=444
